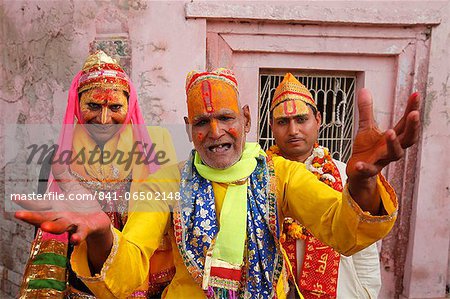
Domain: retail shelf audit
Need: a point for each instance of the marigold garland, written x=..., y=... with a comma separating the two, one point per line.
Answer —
x=320, y=163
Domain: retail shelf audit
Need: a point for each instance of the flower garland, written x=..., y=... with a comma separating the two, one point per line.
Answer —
x=292, y=229
x=312, y=279
x=321, y=164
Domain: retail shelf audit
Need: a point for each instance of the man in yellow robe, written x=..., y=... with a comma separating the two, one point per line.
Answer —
x=230, y=182
x=102, y=118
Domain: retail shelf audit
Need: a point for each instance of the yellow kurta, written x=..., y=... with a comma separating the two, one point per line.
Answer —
x=331, y=216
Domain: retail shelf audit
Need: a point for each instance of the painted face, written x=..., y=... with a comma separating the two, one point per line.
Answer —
x=219, y=127
x=103, y=110
x=295, y=134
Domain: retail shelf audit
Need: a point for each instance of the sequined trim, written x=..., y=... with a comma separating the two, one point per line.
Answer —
x=46, y=272
x=196, y=274
x=53, y=246
x=162, y=275
x=40, y=246
x=101, y=185
x=36, y=246
x=224, y=283
x=366, y=216
x=79, y=296
x=115, y=83
x=156, y=284
x=139, y=294
x=108, y=262
x=104, y=73
x=280, y=265
x=105, y=76
x=42, y=294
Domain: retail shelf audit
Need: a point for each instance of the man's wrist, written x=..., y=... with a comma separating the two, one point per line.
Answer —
x=365, y=193
x=101, y=231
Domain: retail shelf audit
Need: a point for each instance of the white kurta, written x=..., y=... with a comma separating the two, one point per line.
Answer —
x=359, y=275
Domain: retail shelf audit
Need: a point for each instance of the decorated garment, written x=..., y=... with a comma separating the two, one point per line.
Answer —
x=253, y=228
x=48, y=272
x=319, y=273
x=299, y=195
x=324, y=272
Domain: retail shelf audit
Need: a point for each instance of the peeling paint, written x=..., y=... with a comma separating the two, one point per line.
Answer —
x=137, y=4
x=158, y=47
x=162, y=78
x=444, y=94
x=430, y=98
x=392, y=49
x=151, y=105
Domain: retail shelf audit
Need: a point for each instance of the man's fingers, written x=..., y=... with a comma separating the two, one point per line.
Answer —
x=58, y=223
x=392, y=152
x=412, y=105
x=58, y=226
x=62, y=175
x=79, y=235
x=411, y=131
x=394, y=148
x=413, y=102
x=366, y=170
x=365, y=108
x=34, y=218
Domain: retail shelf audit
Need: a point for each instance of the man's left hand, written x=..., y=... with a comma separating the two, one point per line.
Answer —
x=373, y=149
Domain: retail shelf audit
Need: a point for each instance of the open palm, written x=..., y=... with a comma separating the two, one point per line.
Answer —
x=81, y=219
x=373, y=149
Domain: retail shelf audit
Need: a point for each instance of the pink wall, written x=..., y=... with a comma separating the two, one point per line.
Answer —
x=427, y=266
x=388, y=45
x=394, y=48
x=44, y=44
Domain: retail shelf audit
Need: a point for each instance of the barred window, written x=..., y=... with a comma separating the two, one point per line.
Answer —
x=335, y=97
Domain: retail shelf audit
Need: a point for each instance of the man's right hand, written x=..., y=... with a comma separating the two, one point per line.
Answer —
x=80, y=218
x=79, y=225
x=84, y=220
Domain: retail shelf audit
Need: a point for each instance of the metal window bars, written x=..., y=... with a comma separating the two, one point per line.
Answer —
x=335, y=98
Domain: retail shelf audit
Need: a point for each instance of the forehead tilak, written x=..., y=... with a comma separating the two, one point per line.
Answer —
x=207, y=96
x=105, y=95
x=289, y=108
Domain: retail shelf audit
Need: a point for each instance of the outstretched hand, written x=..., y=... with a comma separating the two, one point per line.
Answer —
x=80, y=225
x=80, y=218
x=373, y=149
